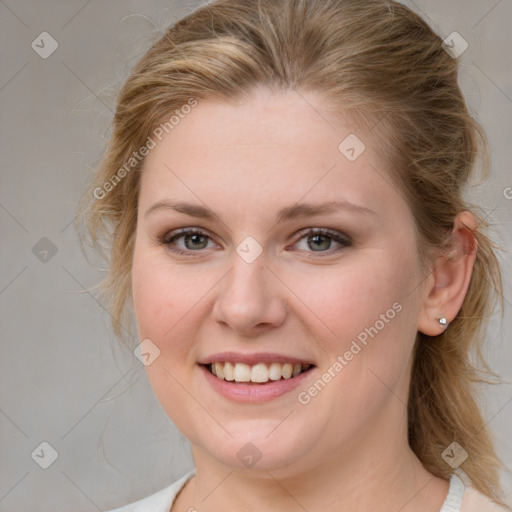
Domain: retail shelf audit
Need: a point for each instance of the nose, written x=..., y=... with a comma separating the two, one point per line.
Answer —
x=250, y=300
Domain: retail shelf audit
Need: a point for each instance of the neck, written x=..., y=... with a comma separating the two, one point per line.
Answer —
x=372, y=473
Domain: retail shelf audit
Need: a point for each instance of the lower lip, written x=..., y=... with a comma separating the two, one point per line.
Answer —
x=250, y=392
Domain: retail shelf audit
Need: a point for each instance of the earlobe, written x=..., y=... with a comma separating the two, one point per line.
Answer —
x=450, y=278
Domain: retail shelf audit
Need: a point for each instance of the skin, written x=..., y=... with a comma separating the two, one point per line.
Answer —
x=347, y=448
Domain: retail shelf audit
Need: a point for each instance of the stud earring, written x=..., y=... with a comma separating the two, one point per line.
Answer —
x=443, y=322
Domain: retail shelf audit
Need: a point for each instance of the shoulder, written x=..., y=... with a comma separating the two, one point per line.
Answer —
x=462, y=497
x=160, y=501
x=475, y=501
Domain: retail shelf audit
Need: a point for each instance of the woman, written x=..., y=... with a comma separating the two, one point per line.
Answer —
x=283, y=189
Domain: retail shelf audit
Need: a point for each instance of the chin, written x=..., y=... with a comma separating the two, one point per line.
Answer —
x=260, y=447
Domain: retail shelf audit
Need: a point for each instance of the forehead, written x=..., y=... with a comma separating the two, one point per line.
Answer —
x=271, y=147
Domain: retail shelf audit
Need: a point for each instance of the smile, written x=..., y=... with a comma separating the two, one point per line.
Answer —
x=259, y=373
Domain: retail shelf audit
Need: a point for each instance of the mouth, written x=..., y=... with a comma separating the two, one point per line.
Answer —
x=260, y=373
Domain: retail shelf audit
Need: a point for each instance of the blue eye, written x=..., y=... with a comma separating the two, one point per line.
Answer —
x=318, y=240
x=193, y=239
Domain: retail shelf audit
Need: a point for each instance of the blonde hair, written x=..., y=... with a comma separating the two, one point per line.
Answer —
x=382, y=64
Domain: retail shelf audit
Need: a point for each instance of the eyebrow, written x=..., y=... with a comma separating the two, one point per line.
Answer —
x=284, y=214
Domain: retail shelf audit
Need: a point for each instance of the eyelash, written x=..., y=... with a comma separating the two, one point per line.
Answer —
x=343, y=240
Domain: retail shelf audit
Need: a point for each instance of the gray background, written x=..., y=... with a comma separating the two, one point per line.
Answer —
x=63, y=378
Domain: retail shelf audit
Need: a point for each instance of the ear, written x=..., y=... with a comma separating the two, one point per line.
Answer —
x=448, y=283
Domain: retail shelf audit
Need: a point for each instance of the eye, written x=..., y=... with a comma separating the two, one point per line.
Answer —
x=320, y=240
x=192, y=239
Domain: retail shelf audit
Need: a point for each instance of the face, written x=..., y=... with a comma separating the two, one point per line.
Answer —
x=251, y=270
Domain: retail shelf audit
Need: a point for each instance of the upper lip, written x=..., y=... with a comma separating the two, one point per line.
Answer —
x=254, y=358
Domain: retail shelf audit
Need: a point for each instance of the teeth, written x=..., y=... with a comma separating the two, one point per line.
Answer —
x=275, y=371
x=287, y=370
x=242, y=372
x=229, y=371
x=259, y=373
x=218, y=370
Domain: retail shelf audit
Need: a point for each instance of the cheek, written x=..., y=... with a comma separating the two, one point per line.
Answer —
x=358, y=297
x=151, y=298
x=170, y=302
x=368, y=315
x=365, y=364
x=163, y=303
x=161, y=295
